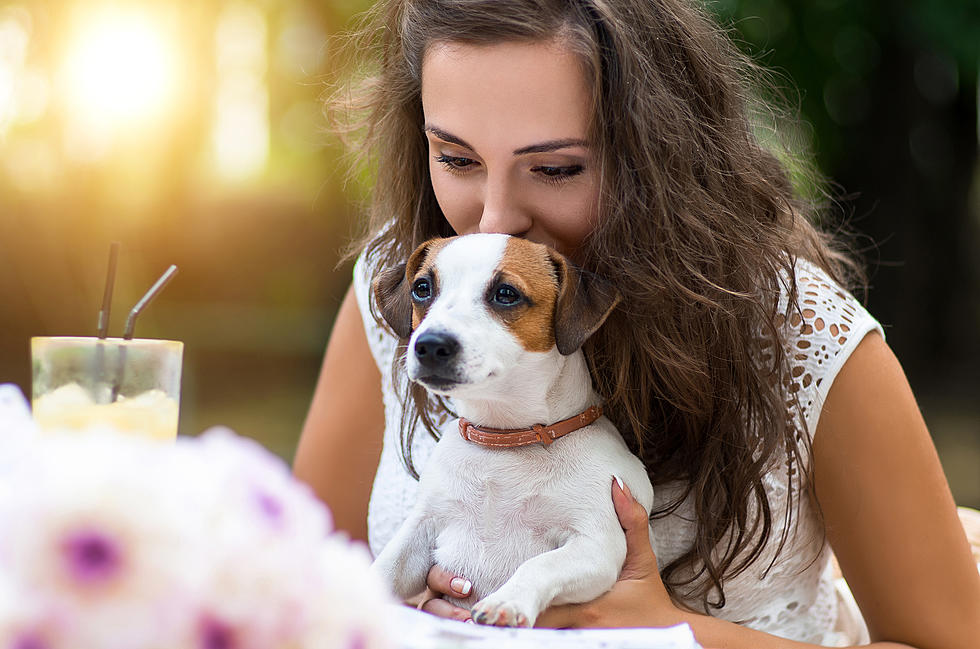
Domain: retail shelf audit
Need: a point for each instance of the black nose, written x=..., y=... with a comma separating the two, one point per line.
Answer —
x=435, y=350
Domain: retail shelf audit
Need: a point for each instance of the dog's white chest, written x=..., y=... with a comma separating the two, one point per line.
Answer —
x=501, y=503
x=496, y=508
x=492, y=513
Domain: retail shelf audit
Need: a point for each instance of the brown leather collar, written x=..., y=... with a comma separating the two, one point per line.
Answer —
x=510, y=438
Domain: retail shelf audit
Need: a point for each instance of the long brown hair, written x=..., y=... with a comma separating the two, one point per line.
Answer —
x=698, y=222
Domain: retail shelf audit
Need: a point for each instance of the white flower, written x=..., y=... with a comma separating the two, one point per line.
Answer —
x=90, y=535
x=118, y=541
x=17, y=429
x=347, y=599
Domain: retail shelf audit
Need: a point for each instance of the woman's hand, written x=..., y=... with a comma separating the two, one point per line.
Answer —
x=639, y=598
x=441, y=582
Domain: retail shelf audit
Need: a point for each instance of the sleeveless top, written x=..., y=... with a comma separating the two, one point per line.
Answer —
x=797, y=596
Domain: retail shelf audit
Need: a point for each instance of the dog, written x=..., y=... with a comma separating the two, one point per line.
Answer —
x=509, y=498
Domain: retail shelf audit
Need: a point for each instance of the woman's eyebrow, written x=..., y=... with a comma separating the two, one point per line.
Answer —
x=542, y=147
x=550, y=145
x=447, y=137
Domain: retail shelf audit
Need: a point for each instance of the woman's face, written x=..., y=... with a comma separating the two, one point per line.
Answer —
x=507, y=126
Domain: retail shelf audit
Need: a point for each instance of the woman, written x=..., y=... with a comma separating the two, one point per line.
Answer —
x=773, y=419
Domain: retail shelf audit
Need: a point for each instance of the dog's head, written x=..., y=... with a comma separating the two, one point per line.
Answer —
x=477, y=307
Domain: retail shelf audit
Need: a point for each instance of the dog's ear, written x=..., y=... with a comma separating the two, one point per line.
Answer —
x=392, y=295
x=584, y=302
x=392, y=290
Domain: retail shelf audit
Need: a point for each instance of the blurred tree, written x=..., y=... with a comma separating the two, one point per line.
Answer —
x=890, y=92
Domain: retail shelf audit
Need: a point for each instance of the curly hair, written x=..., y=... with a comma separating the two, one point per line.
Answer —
x=698, y=222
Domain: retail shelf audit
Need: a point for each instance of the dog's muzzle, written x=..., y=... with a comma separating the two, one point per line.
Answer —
x=437, y=352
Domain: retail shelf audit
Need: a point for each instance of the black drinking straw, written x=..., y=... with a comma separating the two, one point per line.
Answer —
x=152, y=293
x=110, y=281
x=103, y=327
x=131, y=324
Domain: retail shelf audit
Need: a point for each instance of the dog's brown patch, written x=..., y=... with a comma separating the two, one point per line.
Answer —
x=422, y=264
x=527, y=267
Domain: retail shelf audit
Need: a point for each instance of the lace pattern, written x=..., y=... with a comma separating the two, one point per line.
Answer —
x=792, y=595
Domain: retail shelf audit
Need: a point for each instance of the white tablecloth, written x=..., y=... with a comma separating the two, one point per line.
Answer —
x=415, y=630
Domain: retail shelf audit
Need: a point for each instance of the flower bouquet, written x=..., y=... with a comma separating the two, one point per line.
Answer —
x=108, y=540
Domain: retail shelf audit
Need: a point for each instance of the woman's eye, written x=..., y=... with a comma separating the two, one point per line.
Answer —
x=557, y=174
x=455, y=163
x=421, y=289
x=506, y=295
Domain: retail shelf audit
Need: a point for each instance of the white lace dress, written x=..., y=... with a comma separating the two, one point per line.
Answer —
x=797, y=598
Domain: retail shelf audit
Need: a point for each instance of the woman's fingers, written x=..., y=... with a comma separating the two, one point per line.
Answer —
x=441, y=582
x=640, y=561
x=631, y=514
x=446, y=583
x=442, y=608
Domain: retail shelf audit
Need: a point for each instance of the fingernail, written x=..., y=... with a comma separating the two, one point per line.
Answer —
x=461, y=586
x=469, y=621
x=618, y=481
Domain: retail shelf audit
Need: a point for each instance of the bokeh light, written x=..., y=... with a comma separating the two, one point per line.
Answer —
x=14, y=39
x=240, y=135
x=119, y=68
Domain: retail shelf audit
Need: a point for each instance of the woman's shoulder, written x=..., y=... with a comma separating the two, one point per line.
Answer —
x=823, y=311
x=821, y=329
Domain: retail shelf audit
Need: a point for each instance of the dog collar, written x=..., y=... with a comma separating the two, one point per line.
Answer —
x=510, y=438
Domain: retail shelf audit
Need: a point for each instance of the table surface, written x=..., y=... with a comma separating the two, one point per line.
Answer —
x=417, y=630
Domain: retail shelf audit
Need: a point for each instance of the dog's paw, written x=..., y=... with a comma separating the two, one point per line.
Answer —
x=499, y=612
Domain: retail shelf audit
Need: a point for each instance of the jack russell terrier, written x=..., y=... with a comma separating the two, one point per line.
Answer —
x=516, y=494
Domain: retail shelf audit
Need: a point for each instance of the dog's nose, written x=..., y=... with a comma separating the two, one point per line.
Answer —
x=434, y=350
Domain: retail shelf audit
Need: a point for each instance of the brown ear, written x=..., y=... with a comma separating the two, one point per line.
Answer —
x=393, y=297
x=392, y=290
x=584, y=302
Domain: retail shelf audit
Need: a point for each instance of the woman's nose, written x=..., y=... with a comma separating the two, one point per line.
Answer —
x=502, y=212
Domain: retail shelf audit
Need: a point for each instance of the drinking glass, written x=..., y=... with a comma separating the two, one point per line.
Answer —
x=130, y=385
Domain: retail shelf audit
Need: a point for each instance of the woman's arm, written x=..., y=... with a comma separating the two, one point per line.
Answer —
x=340, y=445
x=889, y=513
x=889, y=516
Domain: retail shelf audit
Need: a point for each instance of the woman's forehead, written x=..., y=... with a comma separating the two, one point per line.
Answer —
x=514, y=93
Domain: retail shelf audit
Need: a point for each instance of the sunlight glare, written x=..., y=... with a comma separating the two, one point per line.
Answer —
x=31, y=166
x=6, y=95
x=14, y=38
x=120, y=68
x=240, y=130
x=32, y=96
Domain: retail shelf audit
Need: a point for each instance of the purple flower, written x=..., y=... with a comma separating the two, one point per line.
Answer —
x=29, y=641
x=270, y=506
x=357, y=640
x=91, y=556
x=215, y=634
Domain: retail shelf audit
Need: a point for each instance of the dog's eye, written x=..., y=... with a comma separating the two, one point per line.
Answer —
x=421, y=289
x=506, y=295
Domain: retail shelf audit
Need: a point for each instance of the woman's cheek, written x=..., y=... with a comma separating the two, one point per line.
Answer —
x=572, y=217
x=455, y=201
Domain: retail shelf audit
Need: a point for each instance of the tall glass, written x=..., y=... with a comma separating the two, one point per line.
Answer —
x=130, y=385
